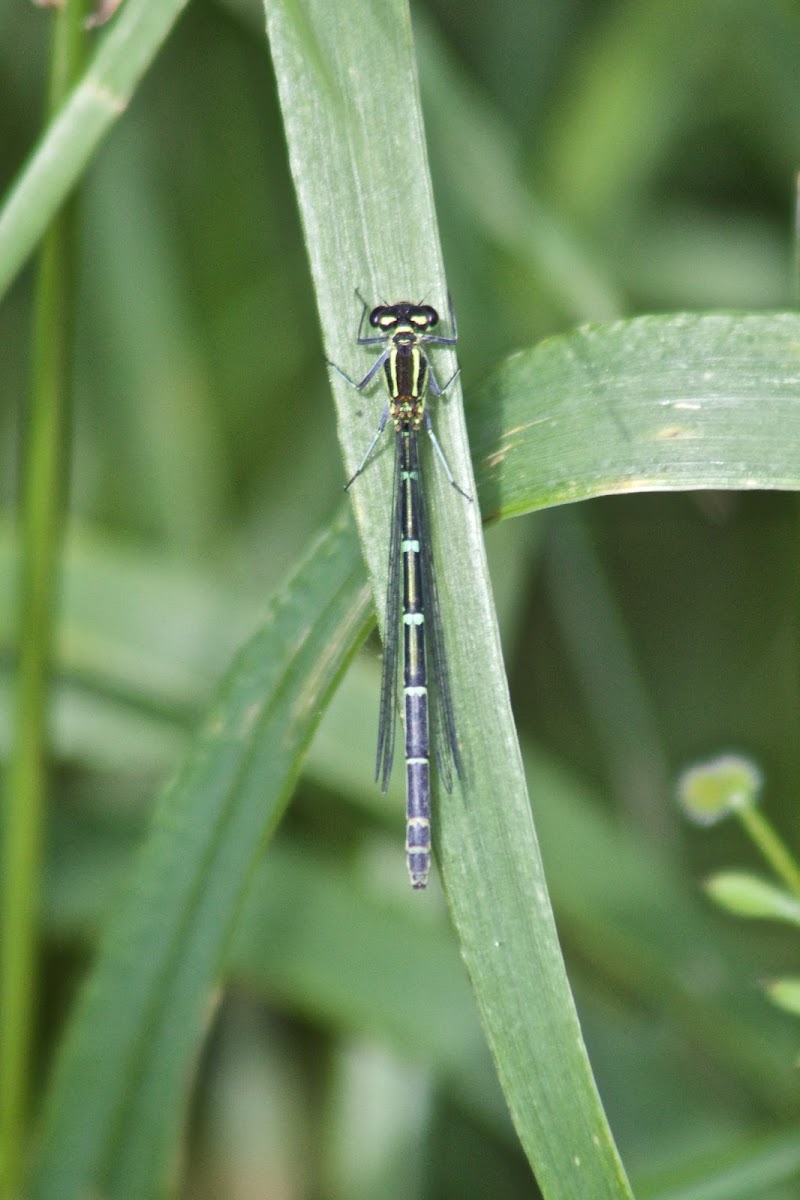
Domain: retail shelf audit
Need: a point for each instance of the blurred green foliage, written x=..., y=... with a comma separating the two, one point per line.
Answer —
x=590, y=160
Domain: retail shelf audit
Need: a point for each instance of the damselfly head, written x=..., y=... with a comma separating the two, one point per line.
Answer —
x=388, y=316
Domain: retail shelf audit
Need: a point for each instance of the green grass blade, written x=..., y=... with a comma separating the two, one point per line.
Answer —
x=115, y=1107
x=42, y=501
x=652, y=404
x=125, y=50
x=349, y=95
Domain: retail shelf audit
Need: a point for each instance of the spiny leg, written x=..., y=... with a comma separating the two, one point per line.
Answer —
x=441, y=456
x=370, y=447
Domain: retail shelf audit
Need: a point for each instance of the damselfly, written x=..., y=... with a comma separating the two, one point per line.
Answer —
x=404, y=331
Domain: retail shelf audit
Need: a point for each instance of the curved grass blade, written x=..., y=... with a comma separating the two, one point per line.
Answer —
x=124, y=53
x=657, y=403
x=117, y=1102
x=344, y=74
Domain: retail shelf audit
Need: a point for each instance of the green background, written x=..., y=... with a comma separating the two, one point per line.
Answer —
x=590, y=162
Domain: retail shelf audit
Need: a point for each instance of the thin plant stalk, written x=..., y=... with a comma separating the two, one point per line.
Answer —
x=42, y=502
